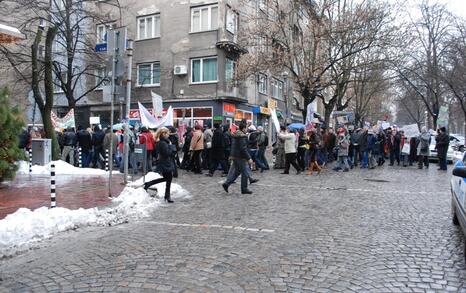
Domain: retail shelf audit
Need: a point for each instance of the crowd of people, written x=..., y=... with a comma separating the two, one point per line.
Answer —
x=242, y=149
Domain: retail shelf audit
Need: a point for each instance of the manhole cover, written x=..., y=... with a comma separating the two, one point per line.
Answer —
x=377, y=180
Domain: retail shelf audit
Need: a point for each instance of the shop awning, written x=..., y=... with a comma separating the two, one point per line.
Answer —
x=9, y=35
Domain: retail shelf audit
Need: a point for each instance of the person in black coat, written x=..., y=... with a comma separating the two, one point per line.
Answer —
x=165, y=164
x=187, y=142
x=97, y=143
x=442, y=142
x=217, y=152
x=85, y=143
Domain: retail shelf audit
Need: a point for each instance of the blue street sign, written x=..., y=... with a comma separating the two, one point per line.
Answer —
x=101, y=47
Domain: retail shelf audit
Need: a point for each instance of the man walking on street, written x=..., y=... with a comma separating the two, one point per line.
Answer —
x=290, y=150
x=69, y=142
x=442, y=141
x=240, y=157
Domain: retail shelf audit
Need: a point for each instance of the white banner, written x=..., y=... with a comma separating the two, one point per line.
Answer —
x=411, y=130
x=273, y=114
x=157, y=104
x=65, y=122
x=150, y=121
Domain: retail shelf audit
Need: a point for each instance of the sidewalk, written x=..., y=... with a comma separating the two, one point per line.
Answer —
x=72, y=192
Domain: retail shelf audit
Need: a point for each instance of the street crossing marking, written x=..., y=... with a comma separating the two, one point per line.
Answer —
x=237, y=228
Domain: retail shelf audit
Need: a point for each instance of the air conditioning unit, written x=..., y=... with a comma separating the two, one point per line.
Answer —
x=180, y=70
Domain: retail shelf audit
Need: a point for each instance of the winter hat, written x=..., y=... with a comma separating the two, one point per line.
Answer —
x=252, y=128
x=260, y=128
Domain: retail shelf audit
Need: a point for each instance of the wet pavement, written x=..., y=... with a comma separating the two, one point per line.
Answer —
x=72, y=192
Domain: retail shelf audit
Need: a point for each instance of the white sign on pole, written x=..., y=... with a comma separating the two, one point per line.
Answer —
x=94, y=120
x=411, y=130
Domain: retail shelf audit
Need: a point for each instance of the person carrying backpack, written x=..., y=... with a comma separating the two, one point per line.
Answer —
x=423, y=150
x=263, y=142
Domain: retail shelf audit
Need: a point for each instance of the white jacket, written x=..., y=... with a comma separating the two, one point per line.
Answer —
x=290, y=142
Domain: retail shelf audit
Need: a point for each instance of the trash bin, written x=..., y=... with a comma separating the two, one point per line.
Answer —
x=41, y=151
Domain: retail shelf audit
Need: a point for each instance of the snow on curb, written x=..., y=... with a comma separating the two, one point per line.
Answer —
x=61, y=168
x=20, y=230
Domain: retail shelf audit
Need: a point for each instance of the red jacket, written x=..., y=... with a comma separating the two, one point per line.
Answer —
x=148, y=139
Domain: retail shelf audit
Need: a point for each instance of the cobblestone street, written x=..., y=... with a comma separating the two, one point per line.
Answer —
x=383, y=230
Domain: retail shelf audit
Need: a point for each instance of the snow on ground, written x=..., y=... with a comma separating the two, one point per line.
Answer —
x=22, y=229
x=61, y=168
x=176, y=191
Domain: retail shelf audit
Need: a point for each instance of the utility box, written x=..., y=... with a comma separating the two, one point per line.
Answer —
x=41, y=151
x=141, y=156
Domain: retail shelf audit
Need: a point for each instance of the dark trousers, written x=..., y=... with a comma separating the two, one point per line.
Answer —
x=185, y=161
x=442, y=161
x=394, y=155
x=206, y=159
x=196, y=162
x=99, y=154
x=290, y=159
x=214, y=162
x=423, y=160
x=261, y=156
x=167, y=178
x=238, y=167
x=85, y=158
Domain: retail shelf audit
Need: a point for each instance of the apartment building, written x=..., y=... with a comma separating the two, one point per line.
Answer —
x=186, y=52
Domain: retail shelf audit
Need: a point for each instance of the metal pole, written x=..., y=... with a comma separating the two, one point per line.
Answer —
x=53, y=200
x=80, y=158
x=112, y=108
x=30, y=160
x=128, y=106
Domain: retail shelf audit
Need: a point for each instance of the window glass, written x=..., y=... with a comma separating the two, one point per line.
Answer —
x=157, y=25
x=144, y=74
x=149, y=27
x=202, y=112
x=214, y=18
x=229, y=69
x=155, y=73
x=196, y=71
x=210, y=70
x=142, y=26
x=204, y=19
x=196, y=21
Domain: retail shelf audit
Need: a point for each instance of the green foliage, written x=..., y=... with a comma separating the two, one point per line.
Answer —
x=11, y=124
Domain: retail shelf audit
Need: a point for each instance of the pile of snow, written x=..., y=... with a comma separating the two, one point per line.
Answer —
x=61, y=168
x=175, y=190
x=20, y=230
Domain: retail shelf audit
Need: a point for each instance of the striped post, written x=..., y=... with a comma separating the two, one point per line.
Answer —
x=30, y=161
x=80, y=158
x=106, y=160
x=53, y=202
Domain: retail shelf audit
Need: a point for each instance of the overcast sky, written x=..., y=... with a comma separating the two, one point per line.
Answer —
x=456, y=6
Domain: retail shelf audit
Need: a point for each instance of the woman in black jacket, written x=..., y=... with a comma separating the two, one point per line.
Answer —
x=165, y=164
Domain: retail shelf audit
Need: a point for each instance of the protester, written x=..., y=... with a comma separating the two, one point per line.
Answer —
x=84, y=141
x=165, y=163
x=253, y=147
x=330, y=140
x=240, y=157
x=290, y=150
x=111, y=138
x=69, y=143
x=187, y=136
x=394, y=146
x=279, y=151
x=343, y=143
x=423, y=150
x=217, y=152
x=442, y=142
x=405, y=148
x=196, y=147
x=372, y=149
x=175, y=147
x=206, y=153
x=313, y=143
x=263, y=142
x=98, y=149
x=146, y=138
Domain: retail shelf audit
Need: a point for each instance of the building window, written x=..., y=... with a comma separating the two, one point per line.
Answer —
x=100, y=78
x=262, y=44
x=277, y=89
x=148, y=27
x=149, y=74
x=262, y=83
x=57, y=83
x=232, y=21
x=230, y=68
x=204, y=18
x=184, y=117
x=101, y=33
x=204, y=70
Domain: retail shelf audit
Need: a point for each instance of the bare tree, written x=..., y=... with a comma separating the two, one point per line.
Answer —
x=420, y=69
x=317, y=42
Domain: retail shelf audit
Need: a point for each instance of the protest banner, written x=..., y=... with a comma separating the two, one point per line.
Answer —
x=411, y=130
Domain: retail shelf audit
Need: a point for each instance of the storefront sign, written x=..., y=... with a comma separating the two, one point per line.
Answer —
x=265, y=111
x=272, y=104
x=94, y=120
x=218, y=118
x=229, y=110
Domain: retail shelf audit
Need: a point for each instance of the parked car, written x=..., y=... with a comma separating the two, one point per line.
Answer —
x=458, y=191
x=457, y=142
x=433, y=152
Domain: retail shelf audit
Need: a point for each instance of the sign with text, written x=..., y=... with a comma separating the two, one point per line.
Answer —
x=411, y=130
x=229, y=110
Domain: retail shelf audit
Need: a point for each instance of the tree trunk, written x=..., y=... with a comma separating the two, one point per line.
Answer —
x=328, y=111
